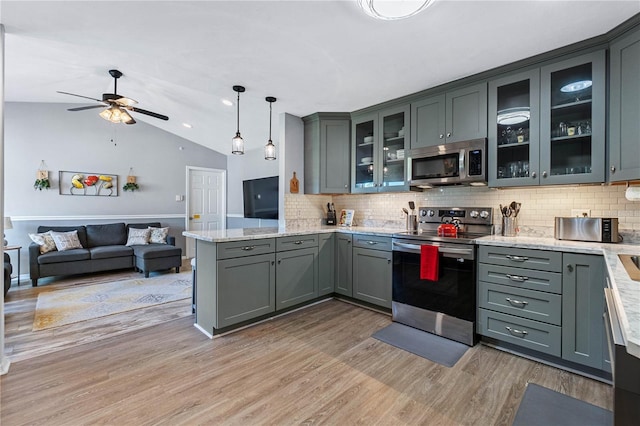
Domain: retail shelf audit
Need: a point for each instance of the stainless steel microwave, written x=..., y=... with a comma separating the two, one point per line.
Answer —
x=456, y=163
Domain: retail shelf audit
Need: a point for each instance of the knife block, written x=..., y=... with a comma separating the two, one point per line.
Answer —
x=331, y=218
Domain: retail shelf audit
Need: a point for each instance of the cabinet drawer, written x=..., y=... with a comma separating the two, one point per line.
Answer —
x=535, y=305
x=531, y=279
x=296, y=242
x=522, y=258
x=372, y=242
x=534, y=335
x=245, y=248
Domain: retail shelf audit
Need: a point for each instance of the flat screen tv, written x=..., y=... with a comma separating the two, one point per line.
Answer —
x=261, y=198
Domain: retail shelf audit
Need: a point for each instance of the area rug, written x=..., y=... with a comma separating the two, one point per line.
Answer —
x=418, y=342
x=62, y=307
x=542, y=406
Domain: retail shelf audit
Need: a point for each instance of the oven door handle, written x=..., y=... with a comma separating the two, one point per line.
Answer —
x=445, y=251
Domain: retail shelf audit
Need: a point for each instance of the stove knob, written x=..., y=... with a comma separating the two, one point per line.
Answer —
x=474, y=214
x=484, y=214
x=430, y=213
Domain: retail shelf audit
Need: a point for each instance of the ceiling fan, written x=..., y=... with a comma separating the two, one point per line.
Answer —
x=118, y=105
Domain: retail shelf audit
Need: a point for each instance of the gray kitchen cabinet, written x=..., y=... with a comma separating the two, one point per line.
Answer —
x=514, y=130
x=572, y=120
x=327, y=151
x=296, y=270
x=247, y=287
x=344, y=265
x=456, y=115
x=624, y=108
x=372, y=270
x=379, y=140
x=583, y=283
x=326, y=263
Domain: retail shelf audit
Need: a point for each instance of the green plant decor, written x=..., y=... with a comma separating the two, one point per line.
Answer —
x=130, y=186
x=42, y=184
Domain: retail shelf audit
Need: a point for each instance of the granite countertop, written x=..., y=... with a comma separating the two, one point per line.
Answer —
x=626, y=292
x=242, y=234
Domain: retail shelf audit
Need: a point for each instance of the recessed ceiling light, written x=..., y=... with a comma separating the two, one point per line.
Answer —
x=187, y=125
x=227, y=102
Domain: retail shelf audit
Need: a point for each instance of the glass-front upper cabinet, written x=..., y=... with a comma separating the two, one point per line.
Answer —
x=514, y=124
x=572, y=130
x=379, y=142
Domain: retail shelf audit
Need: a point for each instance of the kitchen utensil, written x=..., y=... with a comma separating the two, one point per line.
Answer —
x=405, y=211
x=412, y=206
x=328, y=207
x=333, y=208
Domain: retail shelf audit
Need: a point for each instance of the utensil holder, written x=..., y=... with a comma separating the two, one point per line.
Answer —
x=331, y=218
x=412, y=223
x=510, y=227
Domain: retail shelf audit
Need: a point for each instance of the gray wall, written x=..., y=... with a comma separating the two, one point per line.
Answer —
x=82, y=141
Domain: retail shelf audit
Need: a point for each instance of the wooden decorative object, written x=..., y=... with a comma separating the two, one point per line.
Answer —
x=131, y=179
x=42, y=174
x=294, y=184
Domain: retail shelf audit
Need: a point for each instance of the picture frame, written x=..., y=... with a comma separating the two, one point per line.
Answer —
x=346, y=217
x=88, y=184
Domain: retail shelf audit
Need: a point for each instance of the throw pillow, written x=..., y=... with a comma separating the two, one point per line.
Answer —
x=66, y=240
x=138, y=237
x=45, y=241
x=158, y=235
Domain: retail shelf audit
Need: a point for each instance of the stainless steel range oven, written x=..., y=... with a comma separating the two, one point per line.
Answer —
x=445, y=306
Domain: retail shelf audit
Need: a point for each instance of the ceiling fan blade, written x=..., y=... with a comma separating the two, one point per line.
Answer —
x=80, y=96
x=85, y=107
x=124, y=101
x=132, y=121
x=145, y=112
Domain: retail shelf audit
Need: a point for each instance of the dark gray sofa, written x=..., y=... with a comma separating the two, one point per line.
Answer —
x=104, y=249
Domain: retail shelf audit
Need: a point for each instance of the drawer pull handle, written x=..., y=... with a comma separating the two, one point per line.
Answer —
x=517, y=258
x=517, y=278
x=372, y=243
x=298, y=242
x=518, y=303
x=248, y=248
x=517, y=333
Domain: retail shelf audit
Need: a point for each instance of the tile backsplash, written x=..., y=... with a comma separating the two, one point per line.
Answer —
x=540, y=206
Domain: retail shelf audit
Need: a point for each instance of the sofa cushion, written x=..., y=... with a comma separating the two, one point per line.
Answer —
x=82, y=231
x=64, y=256
x=154, y=251
x=108, y=252
x=66, y=240
x=106, y=235
x=143, y=225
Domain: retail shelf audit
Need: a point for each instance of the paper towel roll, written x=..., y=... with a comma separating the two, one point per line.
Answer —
x=632, y=193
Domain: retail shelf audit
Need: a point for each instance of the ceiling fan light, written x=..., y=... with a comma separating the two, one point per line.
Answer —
x=390, y=10
x=125, y=117
x=270, y=151
x=106, y=114
x=237, y=145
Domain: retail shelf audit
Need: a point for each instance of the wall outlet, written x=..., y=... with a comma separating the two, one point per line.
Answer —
x=581, y=212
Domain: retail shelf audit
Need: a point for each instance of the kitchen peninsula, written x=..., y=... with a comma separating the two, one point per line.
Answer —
x=245, y=275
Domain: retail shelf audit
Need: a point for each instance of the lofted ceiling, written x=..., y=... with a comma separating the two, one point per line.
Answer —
x=181, y=58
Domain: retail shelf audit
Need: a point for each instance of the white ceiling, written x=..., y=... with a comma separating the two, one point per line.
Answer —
x=181, y=58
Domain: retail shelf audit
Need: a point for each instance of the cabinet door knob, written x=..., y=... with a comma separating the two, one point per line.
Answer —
x=613, y=169
x=570, y=268
x=449, y=134
x=279, y=261
x=533, y=175
x=346, y=186
x=544, y=174
x=441, y=136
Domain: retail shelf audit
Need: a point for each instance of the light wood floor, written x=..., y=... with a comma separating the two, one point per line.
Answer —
x=317, y=365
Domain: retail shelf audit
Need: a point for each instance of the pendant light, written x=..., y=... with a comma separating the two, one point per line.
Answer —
x=237, y=143
x=270, y=148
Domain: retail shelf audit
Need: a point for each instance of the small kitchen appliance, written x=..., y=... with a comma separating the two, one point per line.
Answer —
x=595, y=229
x=445, y=306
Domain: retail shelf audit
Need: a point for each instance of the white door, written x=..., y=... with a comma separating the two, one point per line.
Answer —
x=206, y=202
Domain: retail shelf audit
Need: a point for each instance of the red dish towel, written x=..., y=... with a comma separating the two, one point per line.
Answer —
x=429, y=263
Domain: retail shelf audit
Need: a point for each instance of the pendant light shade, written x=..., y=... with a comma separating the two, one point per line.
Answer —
x=237, y=143
x=270, y=148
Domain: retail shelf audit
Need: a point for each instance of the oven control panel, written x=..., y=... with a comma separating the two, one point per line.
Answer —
x=463, y=215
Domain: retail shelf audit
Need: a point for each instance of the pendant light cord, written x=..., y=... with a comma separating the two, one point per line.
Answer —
x=238, y=105
x=270, y=113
